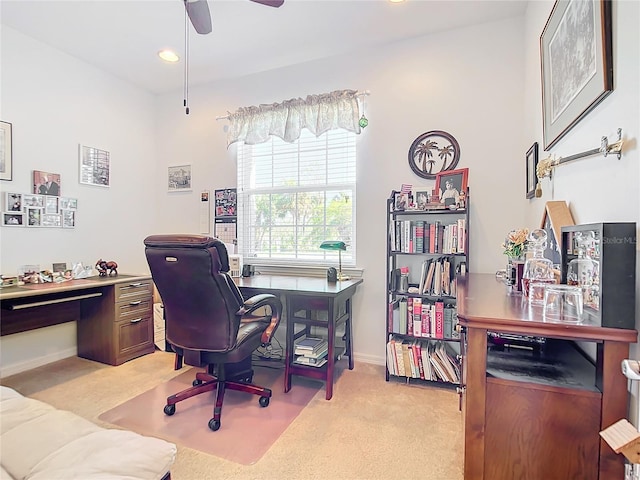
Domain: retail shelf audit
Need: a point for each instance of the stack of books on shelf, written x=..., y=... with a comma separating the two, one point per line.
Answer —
x=424, y=359
x=311, y=351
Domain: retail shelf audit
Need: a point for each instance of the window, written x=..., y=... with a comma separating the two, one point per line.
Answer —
x=293, y=196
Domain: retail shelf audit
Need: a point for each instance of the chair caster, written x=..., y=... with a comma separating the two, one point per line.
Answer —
x=196, y=382
x=264, y=401
x=214, y=424
x=169, y=409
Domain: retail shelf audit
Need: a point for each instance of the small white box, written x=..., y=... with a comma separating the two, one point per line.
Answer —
x=235, y=265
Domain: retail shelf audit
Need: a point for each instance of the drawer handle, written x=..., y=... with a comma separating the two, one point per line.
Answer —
x=138, y=284
x=136, y=320
x=135, y=303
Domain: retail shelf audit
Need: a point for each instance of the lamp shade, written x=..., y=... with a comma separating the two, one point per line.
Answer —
x=333, y=245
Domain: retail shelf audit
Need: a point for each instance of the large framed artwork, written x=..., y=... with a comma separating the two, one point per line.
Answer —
x=577, y=65
x=532, y=163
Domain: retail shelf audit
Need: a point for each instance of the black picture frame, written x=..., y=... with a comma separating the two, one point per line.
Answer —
x=532, y=164
x=574, y=80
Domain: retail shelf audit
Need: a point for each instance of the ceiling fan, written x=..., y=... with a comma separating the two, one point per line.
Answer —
x=198, y=11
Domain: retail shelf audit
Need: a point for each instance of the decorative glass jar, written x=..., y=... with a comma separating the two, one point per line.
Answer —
x=537, y=268
x=583, y=271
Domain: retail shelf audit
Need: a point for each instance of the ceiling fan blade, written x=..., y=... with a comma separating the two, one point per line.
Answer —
x=198, y=11
x=270, y=3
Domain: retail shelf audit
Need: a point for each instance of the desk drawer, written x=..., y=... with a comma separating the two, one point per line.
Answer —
x=134, y=337
x=128, y=291
x=133, y=308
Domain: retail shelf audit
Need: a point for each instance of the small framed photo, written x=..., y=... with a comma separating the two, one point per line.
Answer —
x=422, y=199
x=51, y=205
x=34, y=217
x=65, y=203
x=13, y=202
x=68, y=218
x=6, y=151
x=13, y=219
x=95, y=166
x=532, y=163
x=400, y=201
x=451, y=185
x=32, y=201
x=179, y=178
x=49, y=220
x=45, y=183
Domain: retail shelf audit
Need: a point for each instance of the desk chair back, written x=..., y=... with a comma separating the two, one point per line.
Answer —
x=201, y=302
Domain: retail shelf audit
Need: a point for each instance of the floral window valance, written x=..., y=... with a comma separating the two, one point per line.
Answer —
x=317, y=113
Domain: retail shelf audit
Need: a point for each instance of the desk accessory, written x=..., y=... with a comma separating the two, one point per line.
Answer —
x=339, y=246
x=104, y=268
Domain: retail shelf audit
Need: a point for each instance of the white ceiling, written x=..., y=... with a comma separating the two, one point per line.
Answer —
x=123, y=36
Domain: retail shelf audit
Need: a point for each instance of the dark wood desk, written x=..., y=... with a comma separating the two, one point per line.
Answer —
x=305, y=298
x=542, y=420
x=114, y=313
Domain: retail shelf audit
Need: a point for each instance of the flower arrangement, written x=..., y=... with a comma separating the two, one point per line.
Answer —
x=515, y=245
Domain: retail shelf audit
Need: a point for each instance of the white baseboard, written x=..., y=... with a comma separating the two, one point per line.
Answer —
x=7, y=370
x=373, y=359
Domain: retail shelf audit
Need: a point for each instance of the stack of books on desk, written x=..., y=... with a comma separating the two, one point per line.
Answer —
x=311, y=351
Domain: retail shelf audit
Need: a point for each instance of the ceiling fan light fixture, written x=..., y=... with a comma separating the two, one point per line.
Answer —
x=168, y=56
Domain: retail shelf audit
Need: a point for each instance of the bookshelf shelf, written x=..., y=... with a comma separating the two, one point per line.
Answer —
x=431, y=247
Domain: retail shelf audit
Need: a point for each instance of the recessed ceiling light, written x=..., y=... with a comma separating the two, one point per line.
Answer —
x=396, y=1
x=168, y=56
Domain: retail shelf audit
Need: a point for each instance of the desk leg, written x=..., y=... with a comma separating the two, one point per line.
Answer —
x=331, y=354
x=349, y=334
x=289, y=347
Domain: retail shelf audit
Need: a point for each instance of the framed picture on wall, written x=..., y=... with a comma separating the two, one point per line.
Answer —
x=45, y=183
x=95, y=166
x=577, y=65
x=6, y=151
x=179, y=178
x=532, y=163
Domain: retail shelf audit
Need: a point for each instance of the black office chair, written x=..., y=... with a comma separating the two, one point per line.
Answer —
x=207, y=320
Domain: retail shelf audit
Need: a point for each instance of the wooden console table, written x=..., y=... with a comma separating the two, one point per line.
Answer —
x=304, y=298
x=531, y=416
x=114, y=314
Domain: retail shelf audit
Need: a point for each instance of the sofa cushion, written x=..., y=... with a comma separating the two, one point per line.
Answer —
x=39, y=441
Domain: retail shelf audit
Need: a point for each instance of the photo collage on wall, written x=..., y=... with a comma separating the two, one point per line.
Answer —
x=226, y=220
x=43, y=207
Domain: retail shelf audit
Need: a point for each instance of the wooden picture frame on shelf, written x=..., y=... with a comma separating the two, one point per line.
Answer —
x=532, y=163
x=573, y=82
x=555, y=216
x=455, y=183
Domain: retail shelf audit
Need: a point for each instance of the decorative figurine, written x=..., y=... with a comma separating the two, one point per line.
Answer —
x=110, y=267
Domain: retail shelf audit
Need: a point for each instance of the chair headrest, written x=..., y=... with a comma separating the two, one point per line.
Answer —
x=201, y=242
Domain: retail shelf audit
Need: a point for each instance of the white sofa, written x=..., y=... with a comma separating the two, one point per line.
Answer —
x=40, y=442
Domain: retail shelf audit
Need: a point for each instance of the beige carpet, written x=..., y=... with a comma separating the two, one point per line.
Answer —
x=370, y=429
x=243, y=421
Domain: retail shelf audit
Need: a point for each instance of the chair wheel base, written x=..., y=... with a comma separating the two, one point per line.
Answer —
x=214, y=424
x=169, y=409
x=264, y=401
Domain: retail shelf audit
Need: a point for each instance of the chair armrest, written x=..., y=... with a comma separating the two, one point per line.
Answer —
x=264, y=300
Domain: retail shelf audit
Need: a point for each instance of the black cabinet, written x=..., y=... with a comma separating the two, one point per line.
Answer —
x=611, y=301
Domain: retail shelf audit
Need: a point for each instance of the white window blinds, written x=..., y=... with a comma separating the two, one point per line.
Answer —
x=293, y=196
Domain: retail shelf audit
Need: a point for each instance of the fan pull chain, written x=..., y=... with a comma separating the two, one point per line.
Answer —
x=186, y=62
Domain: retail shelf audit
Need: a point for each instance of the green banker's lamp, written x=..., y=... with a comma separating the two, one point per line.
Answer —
x=339, y=246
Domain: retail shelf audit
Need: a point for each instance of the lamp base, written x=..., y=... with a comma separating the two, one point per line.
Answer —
x=342, y=276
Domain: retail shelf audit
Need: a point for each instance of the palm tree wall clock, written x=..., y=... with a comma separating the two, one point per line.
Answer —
x=433, y=152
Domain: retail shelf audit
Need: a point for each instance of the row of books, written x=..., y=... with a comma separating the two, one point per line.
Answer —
x=420, y=318
x=424, y=359
x=311, y=351
x=419, y=236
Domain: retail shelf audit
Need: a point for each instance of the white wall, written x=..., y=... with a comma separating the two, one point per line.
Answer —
x=56, y=102
x=467, y=82
x=481, y=84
